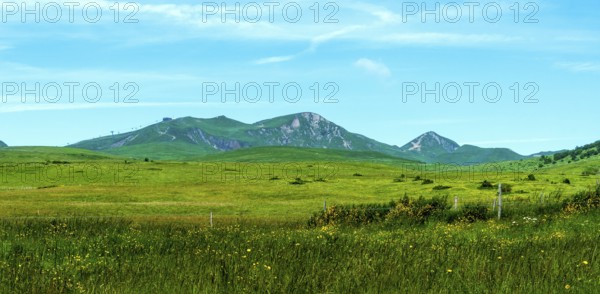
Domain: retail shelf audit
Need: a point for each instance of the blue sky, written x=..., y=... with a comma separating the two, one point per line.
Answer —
x=369, y=55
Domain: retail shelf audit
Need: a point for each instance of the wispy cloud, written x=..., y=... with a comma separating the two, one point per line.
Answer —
x=513, y=141
x=12, y=108
x=274, y=59
x=19, y=72
x=428, y=122
x=373, y=67
x=580, y=66
x=435, y=38
x=314, y=44
x=383, y=14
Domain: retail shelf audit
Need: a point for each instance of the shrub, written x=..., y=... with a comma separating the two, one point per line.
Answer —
x=567, y=181
x=473, y=212
x=441, y=187
x=427, y=181
x=298, y=181
x=352, y=214
x=589, y=171
x=417, y=178
x=405, y=210
x=583, y=200
x=417, y=211
x=357, y=175
x=486, y=185
x=506, y=188
x=531, y=177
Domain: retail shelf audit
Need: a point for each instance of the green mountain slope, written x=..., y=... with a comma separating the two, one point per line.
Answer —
x=296, y=154
x=431, y=147
x=189, y=138
x=185, y=137
x=469, y=154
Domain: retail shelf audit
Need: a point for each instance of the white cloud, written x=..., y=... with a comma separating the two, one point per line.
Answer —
x=383, y=14
x=274, y=59
x=373, y=67
x=329, y=36
x=516, y=141
x=359, y=22
x=580, y=66
x=445, y=38
x=22, y=107
x=426, y=122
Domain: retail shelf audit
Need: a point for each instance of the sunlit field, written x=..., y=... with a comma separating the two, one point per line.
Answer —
x=61, y=183
x=80, y=222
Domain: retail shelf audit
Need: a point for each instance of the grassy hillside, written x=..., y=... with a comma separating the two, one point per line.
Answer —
x=294, y=154
x=582, y=152
x=161, y=151
x=48, y=154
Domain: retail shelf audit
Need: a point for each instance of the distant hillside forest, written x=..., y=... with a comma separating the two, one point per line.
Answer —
x=579, y=152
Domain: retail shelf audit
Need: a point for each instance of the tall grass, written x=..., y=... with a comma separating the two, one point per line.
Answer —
x=118, y=255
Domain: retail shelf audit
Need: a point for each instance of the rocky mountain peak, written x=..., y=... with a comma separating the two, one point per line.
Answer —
x=431, y=142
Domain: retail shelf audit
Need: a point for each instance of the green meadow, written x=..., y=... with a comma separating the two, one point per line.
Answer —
x=76, y=221
x=263, y=183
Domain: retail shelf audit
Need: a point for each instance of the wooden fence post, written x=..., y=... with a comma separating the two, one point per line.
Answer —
x=499, y=201
x=542, y=198
x=494, y=205
x=455, y=202
x=324, y=205
x=211, y=219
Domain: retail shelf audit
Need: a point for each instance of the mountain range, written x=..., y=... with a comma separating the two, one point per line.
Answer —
x=190, y=137
x=2, y=144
